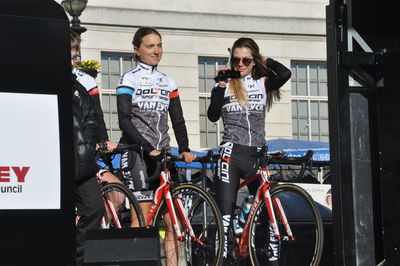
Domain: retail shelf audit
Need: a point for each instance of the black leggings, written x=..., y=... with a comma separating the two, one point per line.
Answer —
x=236, y=162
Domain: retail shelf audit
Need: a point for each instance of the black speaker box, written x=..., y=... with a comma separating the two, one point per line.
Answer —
x=126, y=246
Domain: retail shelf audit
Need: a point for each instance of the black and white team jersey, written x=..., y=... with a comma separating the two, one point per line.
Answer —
x=246, y=126
x=86, y=81
x=90, y=84
x=145, y=97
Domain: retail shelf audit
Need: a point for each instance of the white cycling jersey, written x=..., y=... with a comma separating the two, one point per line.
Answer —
x=152, y=92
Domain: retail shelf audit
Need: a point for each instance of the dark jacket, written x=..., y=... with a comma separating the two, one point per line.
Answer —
x=85, y=120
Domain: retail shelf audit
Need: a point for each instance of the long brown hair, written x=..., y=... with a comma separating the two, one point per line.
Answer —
x=139, y=34
x=259, y=70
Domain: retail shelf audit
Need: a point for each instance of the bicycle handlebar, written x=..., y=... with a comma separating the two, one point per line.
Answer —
x=279, y=158
x=305, y=161
x=120, y=148
x=167, y=158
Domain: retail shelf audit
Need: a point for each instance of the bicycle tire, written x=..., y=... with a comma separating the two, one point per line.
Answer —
x=127, y=205
x=208, y=228
x=307, y=228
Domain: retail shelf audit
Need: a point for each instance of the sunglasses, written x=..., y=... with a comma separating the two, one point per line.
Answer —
x=236, y=60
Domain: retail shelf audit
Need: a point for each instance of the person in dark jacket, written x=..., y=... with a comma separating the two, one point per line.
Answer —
x=89, y=202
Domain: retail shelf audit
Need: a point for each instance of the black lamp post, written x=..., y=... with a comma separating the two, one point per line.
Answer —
x=74, y=8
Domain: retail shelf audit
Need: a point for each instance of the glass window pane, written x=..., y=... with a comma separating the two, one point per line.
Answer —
x=104, y=64
x=324, y=139
x=302, y=72
x=295, y=136
x=107, y=119
x=303, y=109
x=294, y=126
x=105, y=104
x=294, y=72
x=314, y=108
x=113, y=103
x=105, y=83
x=202, y=86
x=210, y=69
x=302, y=88
x=303, y=126
x=314, y=88
x=324, y=126
x=209, y=85
x=323, y=89
x=126, y=64
x=201, y=68
x=212, y=140
x=114, y=121
x=294, y=108
x=314, y=126
x=323, y=109
x=222, y=63
x=114, y=65
x=203, y=140
x=294, y=87
x=202, y=106
x=115, y=135
x=114, y=79
x=322, y=74
x=315, y=138
x=211, y=126
x=303, y=137
x=203, y=123
x=313, y=72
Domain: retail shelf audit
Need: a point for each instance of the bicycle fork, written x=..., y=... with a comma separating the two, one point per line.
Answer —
x=277, y=203
x=114, y=215
x=164, y=191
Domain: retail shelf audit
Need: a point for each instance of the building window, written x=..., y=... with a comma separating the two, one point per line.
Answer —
x=210, y=133
x=310, y=102
x=113, y=66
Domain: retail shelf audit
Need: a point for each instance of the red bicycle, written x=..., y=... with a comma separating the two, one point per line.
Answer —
x=283, y=222
x=189, y=220
x=122, y=209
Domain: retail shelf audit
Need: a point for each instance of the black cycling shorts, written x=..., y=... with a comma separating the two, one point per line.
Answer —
x=136, y=171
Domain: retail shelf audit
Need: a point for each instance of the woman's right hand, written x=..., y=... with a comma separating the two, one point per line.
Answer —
x=155, y=153
x=221, y=83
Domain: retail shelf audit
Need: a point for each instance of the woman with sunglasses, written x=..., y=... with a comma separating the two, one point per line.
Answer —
x=242, y=102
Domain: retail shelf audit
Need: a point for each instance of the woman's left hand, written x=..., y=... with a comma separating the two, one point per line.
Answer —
x=111, y=145
x=188, y=156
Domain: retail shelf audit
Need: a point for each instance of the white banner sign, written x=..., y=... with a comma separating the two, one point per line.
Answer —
x=321, y=193
x=29, y=152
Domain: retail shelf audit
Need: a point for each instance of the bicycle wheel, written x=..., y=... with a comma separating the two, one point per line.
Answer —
x=304, y=220
x=206, y=221
x=120, y=199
